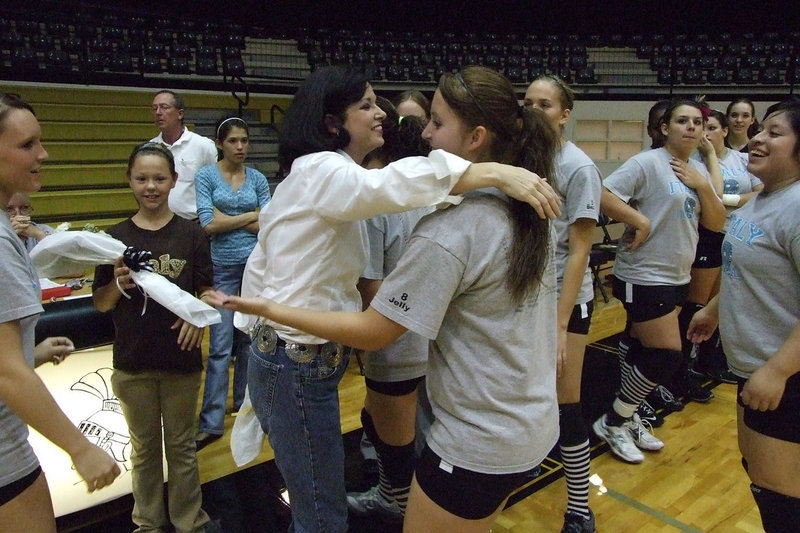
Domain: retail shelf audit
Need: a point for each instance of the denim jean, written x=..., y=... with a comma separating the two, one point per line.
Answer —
x=297, y=405
x=225, y=341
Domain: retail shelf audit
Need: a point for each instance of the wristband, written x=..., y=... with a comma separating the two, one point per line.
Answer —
x=731, y=200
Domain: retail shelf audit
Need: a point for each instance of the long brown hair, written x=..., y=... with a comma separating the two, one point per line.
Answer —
x=481, y=96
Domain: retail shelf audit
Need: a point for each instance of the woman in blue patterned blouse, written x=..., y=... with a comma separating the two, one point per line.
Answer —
x=229, y=198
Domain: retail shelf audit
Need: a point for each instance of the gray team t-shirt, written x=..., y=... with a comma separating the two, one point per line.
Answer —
x=666, y=257
x=20, y=300
x=579, y=183
x=491, y=367
x=760, y=294
x=735, y=178
x=407, y=357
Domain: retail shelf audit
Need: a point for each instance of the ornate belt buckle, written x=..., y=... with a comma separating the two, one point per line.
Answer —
x=301, y=353
x=266, y=338
x=331, y=353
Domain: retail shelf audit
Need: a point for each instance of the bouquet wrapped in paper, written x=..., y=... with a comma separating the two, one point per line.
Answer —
x=75, y=251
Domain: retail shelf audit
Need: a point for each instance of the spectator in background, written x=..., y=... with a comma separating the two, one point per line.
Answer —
x=229, y=198
x=19, y=213
x=190, y=150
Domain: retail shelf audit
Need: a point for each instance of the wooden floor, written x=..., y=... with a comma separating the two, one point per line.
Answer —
x=695, y=484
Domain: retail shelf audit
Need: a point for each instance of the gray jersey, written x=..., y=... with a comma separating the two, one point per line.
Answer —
x=491, y=367
x=735, y=178
x=388, y=236
x=20, y=300
x=666, y=257
x=760, y=294
x=579, y=183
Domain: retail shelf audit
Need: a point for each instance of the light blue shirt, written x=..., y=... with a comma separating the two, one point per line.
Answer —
x=231, y=247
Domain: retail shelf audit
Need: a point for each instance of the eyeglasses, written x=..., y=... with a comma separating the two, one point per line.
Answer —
x=19, y=210
x=163, y=107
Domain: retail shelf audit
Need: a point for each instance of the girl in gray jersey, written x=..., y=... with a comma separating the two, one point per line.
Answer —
x=578, y=182
x=758, y=310
x=478, y=281
x=672, y=194
x=736, y=188
x=25, y=503
x=392, y=374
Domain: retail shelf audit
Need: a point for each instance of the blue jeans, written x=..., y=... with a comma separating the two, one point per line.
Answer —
x=225, y=341
x=297, y=405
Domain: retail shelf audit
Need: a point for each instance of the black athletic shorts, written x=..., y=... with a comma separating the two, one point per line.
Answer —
x=783, y=423
x=394, y=388
x=15, y=488
x=464, y=493
x=581, y=318
x=646, y=302
x=709, y=249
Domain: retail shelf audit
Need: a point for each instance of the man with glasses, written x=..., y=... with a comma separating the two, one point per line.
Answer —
x=19, y=212
x=190, y=150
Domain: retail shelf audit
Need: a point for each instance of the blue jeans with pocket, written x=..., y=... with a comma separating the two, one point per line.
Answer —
x=297, y=405
x=225, y=341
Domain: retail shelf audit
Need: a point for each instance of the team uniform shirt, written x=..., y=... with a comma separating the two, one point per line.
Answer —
x=760, y=278
x=145, y=341
x=20, y=299
x=191, y=152
x=312, y=241
x=666, y=257
x=735, y=177
x=231, y=247
x=579, y=184
x=491, y=367
x=407, y=357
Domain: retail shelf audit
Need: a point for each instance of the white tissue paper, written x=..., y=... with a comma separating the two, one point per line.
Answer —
x=247, y=437
x=74, y=251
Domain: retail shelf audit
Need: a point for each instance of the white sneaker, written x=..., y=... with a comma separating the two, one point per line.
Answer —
x=619, y=439
x=640, y=432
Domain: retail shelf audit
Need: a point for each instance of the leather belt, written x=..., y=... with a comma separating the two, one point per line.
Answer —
x=267, y=339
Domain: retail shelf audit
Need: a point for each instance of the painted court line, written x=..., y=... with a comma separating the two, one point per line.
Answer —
x=652, y=512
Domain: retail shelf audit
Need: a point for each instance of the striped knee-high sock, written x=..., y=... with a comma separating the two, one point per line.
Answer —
x=576, y=471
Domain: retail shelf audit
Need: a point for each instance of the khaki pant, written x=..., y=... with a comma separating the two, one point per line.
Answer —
x=147, y=399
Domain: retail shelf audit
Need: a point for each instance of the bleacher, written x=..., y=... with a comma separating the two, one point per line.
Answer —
x=136, y=48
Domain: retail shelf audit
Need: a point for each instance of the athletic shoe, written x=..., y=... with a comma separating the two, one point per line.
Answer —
x=726, y=376
x=373, y=504
x=641, y=435
x=697, y=393
x=619, y=440
x=649, y=415
x=662, y=398
x=576, y=523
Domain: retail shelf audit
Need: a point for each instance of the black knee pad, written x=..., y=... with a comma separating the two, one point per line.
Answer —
x=570, y=422
x=659, y=364
x=779, y=513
